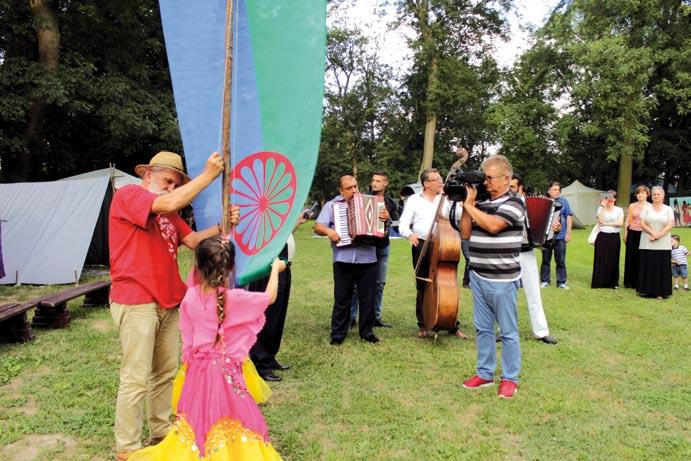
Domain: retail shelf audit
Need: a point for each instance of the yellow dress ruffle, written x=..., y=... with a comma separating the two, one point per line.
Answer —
x=227, y=440
x=257, y=387
x=178, y=382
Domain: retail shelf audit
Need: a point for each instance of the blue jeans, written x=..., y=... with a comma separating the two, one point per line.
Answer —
x=382, y=266
x=679, y=270
x=559, y=250
x=496, y=302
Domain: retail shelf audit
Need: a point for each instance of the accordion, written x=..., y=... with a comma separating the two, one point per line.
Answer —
x=358, y=220
x=541, y=213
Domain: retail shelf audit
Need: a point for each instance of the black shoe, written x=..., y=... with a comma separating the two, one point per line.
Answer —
x=381, y=323
x=371, y=339
x=353, y=322
x=280, y=366
x=549, y=339
x=336, y=342
x=269, y=376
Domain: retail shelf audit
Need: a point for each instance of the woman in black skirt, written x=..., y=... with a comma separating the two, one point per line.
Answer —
x=610, y=218
x=632, y=236
x=655, y=260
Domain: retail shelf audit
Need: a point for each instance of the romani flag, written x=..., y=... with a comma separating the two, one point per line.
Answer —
x=277, y=80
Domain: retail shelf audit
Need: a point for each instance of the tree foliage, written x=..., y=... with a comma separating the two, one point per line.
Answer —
x=602, y=96
x=618, y=72
x=108, y=101
x=454, y=75
x=360, y=103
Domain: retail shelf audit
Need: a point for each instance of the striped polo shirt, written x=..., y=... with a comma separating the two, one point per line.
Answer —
x=679, y=255
x=496, y=256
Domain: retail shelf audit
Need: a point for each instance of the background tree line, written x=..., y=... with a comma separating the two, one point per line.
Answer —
x=601, y=96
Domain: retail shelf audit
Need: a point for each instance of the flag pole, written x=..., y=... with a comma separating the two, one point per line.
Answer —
x=225, y=130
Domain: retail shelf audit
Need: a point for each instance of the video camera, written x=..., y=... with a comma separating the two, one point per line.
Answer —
x=458, y=180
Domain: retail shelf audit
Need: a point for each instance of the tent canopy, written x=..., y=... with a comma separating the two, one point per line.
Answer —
x=53, y=228
x=48, y=228
x=584, y=201
x=120, y=178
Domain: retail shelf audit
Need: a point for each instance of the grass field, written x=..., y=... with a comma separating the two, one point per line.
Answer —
x=615, y=387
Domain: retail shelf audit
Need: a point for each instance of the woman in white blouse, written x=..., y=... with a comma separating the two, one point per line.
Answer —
x=655, y=260
x=610, y=218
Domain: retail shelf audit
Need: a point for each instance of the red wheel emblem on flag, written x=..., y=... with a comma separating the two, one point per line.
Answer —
x=263, y=186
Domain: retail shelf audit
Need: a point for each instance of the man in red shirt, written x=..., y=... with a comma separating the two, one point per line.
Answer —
x=145, y=231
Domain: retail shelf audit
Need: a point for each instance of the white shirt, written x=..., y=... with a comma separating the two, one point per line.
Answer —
x=418, y=215
x=656, y=220
x=610, y=217
x=291, y=247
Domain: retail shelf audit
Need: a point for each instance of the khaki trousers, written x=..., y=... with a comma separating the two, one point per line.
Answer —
x=149, y=336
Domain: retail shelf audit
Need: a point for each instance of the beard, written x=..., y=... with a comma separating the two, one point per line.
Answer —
x=154, y=189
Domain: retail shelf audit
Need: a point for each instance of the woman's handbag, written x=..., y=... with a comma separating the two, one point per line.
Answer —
x=593, y=234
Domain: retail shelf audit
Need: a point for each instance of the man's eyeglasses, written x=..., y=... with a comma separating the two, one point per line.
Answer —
x=490, y=178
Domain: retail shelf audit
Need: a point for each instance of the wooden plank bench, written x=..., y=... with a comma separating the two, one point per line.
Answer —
x=52, y=311
x=14, y=326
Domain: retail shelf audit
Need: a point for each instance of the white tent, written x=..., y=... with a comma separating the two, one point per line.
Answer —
x=120, y=178
x=99, y=252
x=584, y=201
x=50, y=229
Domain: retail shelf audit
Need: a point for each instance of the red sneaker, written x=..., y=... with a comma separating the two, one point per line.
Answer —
x=507, y=389
x=476, y=382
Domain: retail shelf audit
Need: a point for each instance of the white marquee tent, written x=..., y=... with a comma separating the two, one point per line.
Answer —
x=584, y=201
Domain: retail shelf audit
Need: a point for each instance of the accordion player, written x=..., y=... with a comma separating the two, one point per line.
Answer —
x=358, y=219
x=541, y=214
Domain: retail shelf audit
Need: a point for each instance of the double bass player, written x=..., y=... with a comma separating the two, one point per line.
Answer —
x=417, y=219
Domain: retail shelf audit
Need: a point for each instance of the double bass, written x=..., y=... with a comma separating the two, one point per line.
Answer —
x=443, y=243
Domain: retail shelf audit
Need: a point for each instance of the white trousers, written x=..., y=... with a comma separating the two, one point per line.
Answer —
x=531, y=287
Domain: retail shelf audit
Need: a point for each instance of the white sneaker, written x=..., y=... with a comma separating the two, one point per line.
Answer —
x=544, y=284
x=562, y=286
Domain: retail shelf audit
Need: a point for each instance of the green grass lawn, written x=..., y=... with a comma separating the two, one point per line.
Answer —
x=615, y=387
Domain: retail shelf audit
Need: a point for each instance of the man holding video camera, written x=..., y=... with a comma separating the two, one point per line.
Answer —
x=494, y=227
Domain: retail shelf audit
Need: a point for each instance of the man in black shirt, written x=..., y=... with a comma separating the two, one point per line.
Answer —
x=380, y=182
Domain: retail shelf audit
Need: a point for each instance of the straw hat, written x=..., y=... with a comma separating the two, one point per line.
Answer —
x=164, y=159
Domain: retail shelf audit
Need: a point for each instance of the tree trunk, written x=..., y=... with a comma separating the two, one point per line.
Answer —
x=48, y=39
x=47, y=33
x=625, y=168
x=428, y=146
x=430, y=103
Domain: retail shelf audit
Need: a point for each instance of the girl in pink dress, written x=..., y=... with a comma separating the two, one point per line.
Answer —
x=217, y=418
